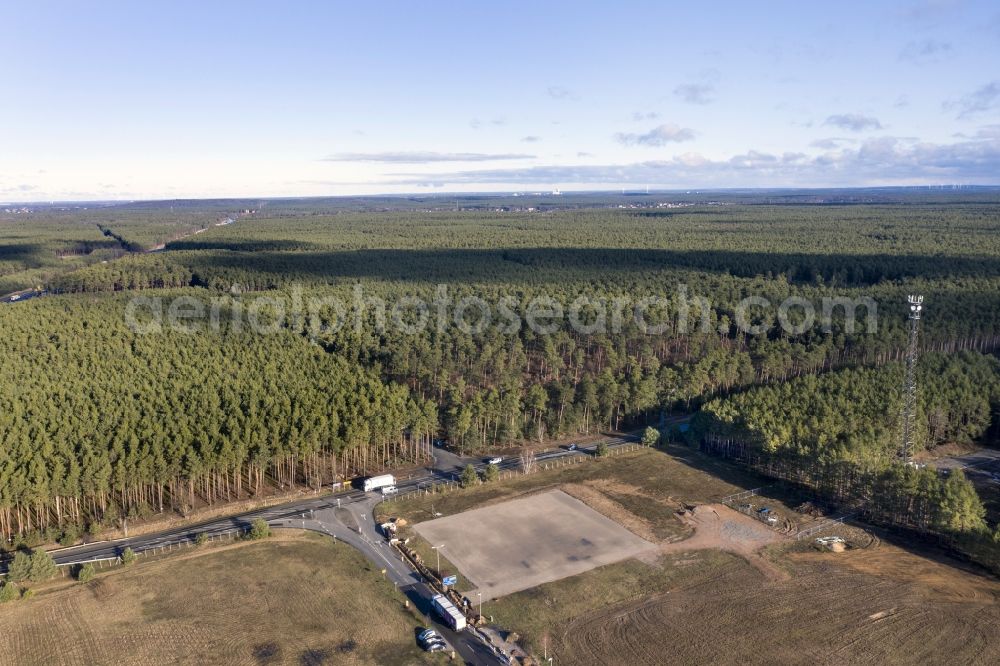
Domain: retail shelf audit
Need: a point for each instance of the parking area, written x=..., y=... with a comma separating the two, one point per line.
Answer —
x=525, y=542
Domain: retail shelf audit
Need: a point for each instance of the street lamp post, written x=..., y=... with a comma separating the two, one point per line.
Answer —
x=480, y=603
x=437, y=550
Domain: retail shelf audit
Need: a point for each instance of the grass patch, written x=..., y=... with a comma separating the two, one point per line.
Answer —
x=427, y=554
x=659, y=514
x=545, y=610
x=677, y=474
x=295, y=598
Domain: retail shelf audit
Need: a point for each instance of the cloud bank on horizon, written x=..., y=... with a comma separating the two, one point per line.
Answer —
x=185, y=100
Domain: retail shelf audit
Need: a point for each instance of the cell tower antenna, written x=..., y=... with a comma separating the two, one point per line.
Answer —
x=916, y=304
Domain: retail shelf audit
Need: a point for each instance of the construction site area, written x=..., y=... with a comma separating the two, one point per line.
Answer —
x=667, y=553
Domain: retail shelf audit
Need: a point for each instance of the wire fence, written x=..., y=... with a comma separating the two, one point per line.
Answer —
x=815, y=529
x=144, y=552
x=746, y=494
x=444, y=486
x=431, y=487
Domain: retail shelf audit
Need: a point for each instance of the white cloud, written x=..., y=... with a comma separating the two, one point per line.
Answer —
x=423, y=157
x=658, y=136
x=639, y=116
x=695, y=93
x=831, y=143
x=929, y=12
x=879, y=161
x=476, y=123
x=982, y=99
x=854, y=122
x=926, y=51
x=19, y=189
x=559, y=92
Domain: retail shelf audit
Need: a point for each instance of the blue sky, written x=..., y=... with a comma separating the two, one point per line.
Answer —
x=158, y=100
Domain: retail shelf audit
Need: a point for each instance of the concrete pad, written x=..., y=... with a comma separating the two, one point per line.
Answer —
x=516, y=545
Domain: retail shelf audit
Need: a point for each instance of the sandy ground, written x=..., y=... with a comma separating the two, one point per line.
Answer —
x=718, y=526
x=516, y=545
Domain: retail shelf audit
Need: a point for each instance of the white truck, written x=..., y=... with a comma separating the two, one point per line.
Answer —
x=381, y=481
x=453, y=617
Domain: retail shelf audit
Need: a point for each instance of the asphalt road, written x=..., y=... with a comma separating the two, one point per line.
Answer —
x=21, y=296
x=982, y=463
x=346, y=516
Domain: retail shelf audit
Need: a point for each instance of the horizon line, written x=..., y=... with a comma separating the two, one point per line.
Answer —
x=642, y=191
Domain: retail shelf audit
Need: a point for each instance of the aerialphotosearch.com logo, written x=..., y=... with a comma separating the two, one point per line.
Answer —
x=679, y=313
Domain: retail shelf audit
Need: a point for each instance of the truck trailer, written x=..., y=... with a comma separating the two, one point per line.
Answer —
x=381, y=481
x=453, y=617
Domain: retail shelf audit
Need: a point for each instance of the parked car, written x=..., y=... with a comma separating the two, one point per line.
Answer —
x=428, y=634
x=431, y=641
x=495, y=460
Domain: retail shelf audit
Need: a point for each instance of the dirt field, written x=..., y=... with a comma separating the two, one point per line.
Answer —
x=869, y=607
x=737, y=592
x=725, y=589
x=718, y=527
x=293, y=599
x=722, y=588
x=515, y=545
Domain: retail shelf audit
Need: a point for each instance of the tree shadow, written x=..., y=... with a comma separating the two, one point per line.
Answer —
x=268, y=259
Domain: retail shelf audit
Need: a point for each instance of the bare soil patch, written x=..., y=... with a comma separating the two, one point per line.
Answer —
x=515, y=545
x=716, y=526
x=896, y=608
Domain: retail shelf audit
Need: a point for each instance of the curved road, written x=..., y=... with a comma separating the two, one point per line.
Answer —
x=345, y=516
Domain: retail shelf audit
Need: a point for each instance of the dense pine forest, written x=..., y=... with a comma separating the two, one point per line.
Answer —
x=831, y=433
x=99, y=421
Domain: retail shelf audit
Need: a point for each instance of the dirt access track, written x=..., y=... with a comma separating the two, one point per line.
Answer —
x=522, y=543
x=718, y=526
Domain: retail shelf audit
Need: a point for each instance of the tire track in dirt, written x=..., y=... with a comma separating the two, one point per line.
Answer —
x=825, y=614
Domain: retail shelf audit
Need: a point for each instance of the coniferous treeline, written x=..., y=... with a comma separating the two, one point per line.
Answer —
x=853, y=415
x=839, y=433
x=98, y=422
